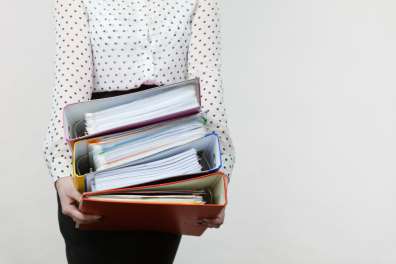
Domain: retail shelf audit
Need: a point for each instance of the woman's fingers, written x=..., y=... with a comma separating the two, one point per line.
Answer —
x=72, y=211
x=81, y=218
x=70, y=198
x=213, y=222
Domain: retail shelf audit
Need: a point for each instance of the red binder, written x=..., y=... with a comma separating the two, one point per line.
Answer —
x=176, y=218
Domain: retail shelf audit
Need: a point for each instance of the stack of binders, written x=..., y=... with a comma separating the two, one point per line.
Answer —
x=146, y=160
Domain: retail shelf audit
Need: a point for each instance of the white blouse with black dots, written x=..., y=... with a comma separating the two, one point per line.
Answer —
x=106, y=45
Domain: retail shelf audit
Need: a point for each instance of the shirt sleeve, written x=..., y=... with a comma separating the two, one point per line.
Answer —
x=204, y=61
x=73, y=80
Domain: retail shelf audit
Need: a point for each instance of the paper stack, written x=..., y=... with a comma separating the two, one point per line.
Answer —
x=150, y=147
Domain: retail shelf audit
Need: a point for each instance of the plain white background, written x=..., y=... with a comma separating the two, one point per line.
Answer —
x=310, y=88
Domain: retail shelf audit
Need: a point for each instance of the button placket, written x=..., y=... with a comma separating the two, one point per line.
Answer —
x=149, y=71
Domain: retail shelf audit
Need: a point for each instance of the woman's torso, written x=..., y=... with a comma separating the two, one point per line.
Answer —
x=138, y=40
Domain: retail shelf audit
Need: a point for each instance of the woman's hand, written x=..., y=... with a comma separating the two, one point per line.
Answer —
x=213, y=222
x=70, y=198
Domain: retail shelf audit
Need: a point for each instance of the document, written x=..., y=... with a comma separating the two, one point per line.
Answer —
x=147, y=108
x=131, y=146
x=174, y=196
x=186, y=162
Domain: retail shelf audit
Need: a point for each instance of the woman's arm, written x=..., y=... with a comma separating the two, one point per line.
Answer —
x=204, y=61
x=73, y=83
x=73, y=80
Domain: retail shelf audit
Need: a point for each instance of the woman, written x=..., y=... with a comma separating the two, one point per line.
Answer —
x=110, y=47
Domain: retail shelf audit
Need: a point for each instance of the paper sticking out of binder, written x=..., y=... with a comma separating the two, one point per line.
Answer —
x=119, y=113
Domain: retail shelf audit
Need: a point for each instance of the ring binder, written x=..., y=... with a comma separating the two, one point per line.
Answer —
x=178, y=218
x=74, y=113
x=78, y=128
x=208, y=153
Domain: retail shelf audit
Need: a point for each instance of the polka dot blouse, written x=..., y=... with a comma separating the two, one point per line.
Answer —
x=106, y=45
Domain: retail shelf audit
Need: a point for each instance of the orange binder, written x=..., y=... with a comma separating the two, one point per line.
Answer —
x=179, y=218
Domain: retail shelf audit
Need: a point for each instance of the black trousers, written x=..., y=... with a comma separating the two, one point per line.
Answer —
x=116, y=247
